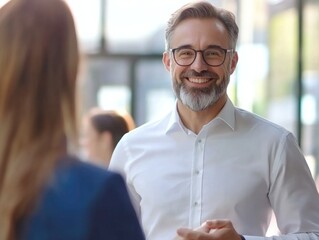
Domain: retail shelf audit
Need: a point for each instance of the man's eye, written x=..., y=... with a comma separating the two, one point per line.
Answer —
x=213, y=53
x=186, y=53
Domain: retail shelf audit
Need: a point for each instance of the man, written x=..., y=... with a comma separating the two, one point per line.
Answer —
x=208, y=160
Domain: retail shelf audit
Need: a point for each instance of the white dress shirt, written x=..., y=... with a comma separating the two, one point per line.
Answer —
x=239, y=167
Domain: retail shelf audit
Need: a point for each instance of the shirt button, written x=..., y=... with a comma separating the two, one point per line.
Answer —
x=195, y=203
x=197, y=172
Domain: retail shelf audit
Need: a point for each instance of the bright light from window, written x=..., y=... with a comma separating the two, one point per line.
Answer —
x=114, y=97
x=308, y=106
x=87, y=19
x=132, y=20
x=274, y=1
x=2, y=2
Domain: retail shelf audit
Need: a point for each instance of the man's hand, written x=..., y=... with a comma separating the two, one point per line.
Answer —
x=210, y=230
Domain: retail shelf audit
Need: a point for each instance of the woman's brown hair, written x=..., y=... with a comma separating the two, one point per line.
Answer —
x=38, y=68
x=111, y=121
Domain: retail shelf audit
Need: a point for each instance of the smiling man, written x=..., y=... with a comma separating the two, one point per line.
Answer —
x=208, y=163
x=200, y=66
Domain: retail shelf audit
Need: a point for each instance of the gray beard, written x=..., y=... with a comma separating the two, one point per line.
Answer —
x=200, y=99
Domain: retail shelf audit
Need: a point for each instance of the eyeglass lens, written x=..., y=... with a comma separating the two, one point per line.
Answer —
x=213, y=56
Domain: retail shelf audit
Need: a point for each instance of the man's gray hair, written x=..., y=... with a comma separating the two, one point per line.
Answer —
x=202, y=9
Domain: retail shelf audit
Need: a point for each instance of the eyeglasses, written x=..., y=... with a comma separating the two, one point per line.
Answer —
x=213, y=56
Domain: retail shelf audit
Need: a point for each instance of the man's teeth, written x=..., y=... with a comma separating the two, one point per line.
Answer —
x=198, y=80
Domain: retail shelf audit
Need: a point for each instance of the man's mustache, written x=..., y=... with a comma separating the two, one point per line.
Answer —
x=203, y=74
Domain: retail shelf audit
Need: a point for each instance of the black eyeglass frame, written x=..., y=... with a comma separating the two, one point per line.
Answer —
x=173, y=50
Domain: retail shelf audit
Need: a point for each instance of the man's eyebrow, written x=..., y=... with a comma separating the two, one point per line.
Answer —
x=185, y=46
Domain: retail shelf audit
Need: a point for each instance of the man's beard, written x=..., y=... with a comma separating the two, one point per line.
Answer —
x=198, y=99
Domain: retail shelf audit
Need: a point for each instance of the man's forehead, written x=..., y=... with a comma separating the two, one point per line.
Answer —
x=198, y=30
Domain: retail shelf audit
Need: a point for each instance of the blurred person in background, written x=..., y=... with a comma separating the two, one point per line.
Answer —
x=209, y=160
x=103, y=129
x=46, y=192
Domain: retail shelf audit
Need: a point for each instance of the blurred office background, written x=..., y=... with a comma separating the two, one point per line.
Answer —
x=277, y=76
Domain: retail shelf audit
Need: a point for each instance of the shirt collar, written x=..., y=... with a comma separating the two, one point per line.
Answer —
x=227, y=115
x=174, y=121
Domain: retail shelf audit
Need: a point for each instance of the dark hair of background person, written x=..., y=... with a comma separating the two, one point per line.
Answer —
x=37, y=126
x=102, y=130
x=112, y=122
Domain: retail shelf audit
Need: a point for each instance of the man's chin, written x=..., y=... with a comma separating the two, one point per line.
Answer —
x=197, y=106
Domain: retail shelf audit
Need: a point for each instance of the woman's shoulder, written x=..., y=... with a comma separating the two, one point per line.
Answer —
x=72, y=170
x=76, y=184
x=79, y=194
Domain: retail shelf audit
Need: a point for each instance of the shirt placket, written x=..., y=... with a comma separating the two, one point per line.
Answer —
x=196, y=184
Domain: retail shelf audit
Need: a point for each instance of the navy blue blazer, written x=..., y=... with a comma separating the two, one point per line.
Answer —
x=83, y=202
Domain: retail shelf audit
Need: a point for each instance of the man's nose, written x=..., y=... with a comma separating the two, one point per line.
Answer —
x=199, y=64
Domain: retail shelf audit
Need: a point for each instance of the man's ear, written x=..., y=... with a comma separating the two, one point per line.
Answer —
x=167, y=60
x=234, y=62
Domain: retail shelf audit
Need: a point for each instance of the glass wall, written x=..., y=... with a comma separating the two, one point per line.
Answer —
x=123, y=43
x=277, y=75
x=310, y=81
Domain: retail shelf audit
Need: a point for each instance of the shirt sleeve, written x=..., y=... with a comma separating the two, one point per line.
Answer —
x=297, y=236
x=119, y=158
x=119, y=162
x=293, y=194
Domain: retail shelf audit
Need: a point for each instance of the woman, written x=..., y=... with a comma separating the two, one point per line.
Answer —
x=45, y=191
x=102, y=131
